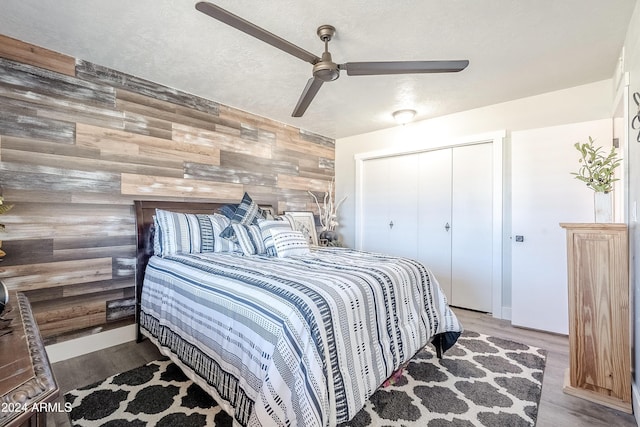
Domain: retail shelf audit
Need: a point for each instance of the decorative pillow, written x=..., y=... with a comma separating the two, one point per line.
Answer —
x=288, y=218
x=249, y=238
x=228, y=210
x=220, y=223
x=290, y=243
x=178, y=232
x=246, y=213
x=267, y=227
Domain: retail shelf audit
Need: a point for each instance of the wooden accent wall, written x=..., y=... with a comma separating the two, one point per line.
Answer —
x=79, y=142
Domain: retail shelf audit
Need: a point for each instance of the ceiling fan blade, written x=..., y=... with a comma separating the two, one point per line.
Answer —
x=309, y=92
x=253, y=30
x=402, y=67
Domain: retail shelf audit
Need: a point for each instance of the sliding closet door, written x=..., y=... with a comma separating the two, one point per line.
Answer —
x=472, y=227
x=375, y=234
x=437, y=207
x=434, y=220
x=390, y=195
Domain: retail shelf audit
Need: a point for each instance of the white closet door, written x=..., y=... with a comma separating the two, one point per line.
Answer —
x=375, y=215
x=544, y=195
x=436, y=207
x=390, y=205
x=434, y=210
x=402, y=200
x=472, y=227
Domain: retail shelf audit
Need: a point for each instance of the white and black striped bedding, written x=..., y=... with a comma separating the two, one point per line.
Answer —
x=299, y=341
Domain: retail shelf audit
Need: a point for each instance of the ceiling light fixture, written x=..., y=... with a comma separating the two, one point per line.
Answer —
x=403, y=116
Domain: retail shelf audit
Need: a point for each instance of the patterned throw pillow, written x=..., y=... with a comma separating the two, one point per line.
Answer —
x=220, y=224
x=249, y=238
x=267, y=227
x=246, y=213
x=290, y=243
x=228, y=210
x=178, y=232
x=288, y=218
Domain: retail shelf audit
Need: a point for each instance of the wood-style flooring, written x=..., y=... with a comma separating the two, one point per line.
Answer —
x=556, y=408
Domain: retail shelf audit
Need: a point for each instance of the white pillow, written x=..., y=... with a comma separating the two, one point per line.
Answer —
x=289, y=243
x=178, y=232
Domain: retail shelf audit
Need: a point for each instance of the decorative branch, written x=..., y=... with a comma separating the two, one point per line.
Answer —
x=596, y=169
x=329, y=210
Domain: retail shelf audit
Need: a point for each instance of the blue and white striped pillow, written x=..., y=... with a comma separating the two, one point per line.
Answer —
x=290, y=243
x=220, y=244
x=178, y=232
x=267, y=227
x=249, y=238
x=246, y=213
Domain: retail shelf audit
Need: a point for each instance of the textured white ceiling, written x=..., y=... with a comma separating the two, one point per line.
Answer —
x=515, y=49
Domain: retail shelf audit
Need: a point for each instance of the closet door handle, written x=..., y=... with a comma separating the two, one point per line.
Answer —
x=447, y=227
x=390, y=225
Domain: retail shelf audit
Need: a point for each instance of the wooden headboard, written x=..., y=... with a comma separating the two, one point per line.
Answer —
x=145, y=210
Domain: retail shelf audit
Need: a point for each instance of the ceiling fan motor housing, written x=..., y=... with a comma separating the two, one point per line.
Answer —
x=326, y=70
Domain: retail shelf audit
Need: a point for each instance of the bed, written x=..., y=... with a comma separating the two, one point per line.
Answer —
x=302, y=340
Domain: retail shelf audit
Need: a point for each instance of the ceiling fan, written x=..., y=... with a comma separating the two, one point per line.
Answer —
x=324, y=69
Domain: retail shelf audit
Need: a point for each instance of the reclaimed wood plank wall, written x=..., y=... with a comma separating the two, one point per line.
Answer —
x=80, y=142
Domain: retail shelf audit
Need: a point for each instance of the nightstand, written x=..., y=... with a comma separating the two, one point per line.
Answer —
x=27, y=385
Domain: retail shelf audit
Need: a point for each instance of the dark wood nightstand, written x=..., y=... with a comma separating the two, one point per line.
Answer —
x=27, y=385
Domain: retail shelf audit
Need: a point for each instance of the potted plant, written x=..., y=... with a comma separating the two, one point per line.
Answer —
x=597, y=171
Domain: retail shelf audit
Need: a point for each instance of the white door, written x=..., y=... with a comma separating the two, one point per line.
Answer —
x=375, y=232
x=434, y=220
x=390, y=197
x=472, y=227
x=403, y=205
x=544, y=194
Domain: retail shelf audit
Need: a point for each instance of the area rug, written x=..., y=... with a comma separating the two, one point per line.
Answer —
x=481, y=381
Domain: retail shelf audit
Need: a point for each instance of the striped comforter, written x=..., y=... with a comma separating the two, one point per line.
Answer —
x=300, y=341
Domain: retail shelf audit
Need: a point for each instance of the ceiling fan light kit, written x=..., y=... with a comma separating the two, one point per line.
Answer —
x=324, y=69
x=402, y=117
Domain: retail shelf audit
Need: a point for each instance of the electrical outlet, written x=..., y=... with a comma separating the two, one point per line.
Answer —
x=519, y=238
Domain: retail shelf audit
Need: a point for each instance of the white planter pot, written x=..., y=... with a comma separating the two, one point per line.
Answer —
x=603, y=207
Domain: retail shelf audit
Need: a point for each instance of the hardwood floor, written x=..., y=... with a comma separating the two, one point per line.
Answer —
x=556, y=408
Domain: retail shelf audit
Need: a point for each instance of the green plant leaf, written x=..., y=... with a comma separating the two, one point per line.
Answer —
x=596, y=169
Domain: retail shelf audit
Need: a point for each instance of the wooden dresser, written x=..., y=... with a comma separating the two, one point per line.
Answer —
x=599, y=318
x=27, y=385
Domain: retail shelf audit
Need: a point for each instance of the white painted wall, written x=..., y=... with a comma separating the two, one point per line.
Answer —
x=578, y=104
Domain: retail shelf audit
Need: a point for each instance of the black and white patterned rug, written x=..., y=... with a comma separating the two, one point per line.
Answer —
x=481, y=381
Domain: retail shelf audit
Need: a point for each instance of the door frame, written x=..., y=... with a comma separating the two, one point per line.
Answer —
x=496, y=138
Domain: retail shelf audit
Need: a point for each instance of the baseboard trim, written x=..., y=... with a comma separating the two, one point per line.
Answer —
x=635, y=402
x=84, y=345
